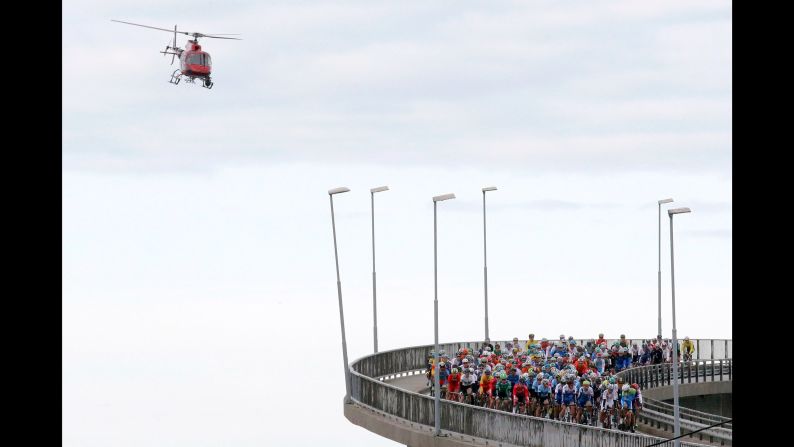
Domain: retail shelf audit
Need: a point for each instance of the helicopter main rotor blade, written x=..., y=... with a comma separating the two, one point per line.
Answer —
x=152, y=27
x=219, y=37
x=197, y=35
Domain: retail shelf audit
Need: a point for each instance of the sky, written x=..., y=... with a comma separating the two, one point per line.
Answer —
x=199, y=295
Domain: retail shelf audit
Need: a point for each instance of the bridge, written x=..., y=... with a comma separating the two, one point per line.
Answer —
x=388, y=397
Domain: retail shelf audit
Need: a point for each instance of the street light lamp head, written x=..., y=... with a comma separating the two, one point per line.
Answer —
x=341, y=189
x=443, y=197
x=665, y=201
x=678, y=211
x=379, y=189
x=489, y=188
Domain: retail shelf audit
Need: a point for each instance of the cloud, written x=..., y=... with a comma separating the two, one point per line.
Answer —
x=529, y=86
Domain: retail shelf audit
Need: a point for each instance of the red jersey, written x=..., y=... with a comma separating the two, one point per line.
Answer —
x=520, y=390
x=487, y=386
x=454, y=382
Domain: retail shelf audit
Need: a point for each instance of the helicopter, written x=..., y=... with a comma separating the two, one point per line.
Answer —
x=193, y=62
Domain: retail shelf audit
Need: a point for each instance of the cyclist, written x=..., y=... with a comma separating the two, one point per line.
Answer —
x=468, y=381
x=543, y=392
x=689, y=348
x=487, y=383
x=513, y=377
x=599, y=363
x=530, y=341
x=627, y=416
x=558, y=396
x=600, y=340
x=521, y=396
x=609, y=394
x=568, y=399
x=453, y=390
x=584, y=402
x=503, y=392
x=637, y=401
x=442, y=375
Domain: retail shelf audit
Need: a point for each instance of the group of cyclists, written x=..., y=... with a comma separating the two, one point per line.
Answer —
x=562, y=380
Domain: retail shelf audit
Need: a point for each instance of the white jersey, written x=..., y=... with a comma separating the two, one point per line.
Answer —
x=610, y=394
x=468, y=379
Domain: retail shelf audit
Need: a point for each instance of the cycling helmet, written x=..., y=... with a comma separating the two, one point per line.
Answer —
x=573, y=342
x=635, y=386
x=503, y=375
x=586, y=383
x=612, y=379
x=441, y=352
x=686, y=338
x=540, y=376
x=545, y=382
x=487, y=372
x=522, y=379
x=454, y=370
x=625, y=387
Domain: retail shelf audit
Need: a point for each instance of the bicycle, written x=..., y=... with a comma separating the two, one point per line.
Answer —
x=587, y=414
x=503, y=403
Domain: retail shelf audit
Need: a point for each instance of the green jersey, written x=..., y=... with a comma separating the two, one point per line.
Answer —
x=503, y=389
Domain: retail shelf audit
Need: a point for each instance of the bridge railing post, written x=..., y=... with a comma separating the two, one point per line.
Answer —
x=712, y=349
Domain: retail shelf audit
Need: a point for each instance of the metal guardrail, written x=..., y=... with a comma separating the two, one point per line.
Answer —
x=660, y=414
x=686, y=413
x=369, y=389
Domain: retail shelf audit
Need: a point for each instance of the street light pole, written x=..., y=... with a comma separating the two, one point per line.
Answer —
x=374, y=301
x=437, y=387
x=659, y=275
x=331, y=193
x=677, y=423
x=485, y=257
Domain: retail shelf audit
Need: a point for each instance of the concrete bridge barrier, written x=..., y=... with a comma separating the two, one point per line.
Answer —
x=408, y=416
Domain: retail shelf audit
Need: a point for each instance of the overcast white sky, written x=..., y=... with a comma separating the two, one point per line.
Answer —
x=197, y=253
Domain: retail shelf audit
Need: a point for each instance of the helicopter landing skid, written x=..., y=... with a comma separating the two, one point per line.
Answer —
x=176, y=76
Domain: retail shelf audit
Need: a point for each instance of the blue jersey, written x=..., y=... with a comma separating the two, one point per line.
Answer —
x=583, y=395
x=543, y=391
x=627, y=401
x=568, y=394
x=513, y=379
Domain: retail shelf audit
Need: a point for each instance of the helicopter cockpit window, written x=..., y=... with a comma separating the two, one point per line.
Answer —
x=207, y=60
x=196, y=59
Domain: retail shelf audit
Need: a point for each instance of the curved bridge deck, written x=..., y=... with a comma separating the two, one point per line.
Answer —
x=386, y=399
